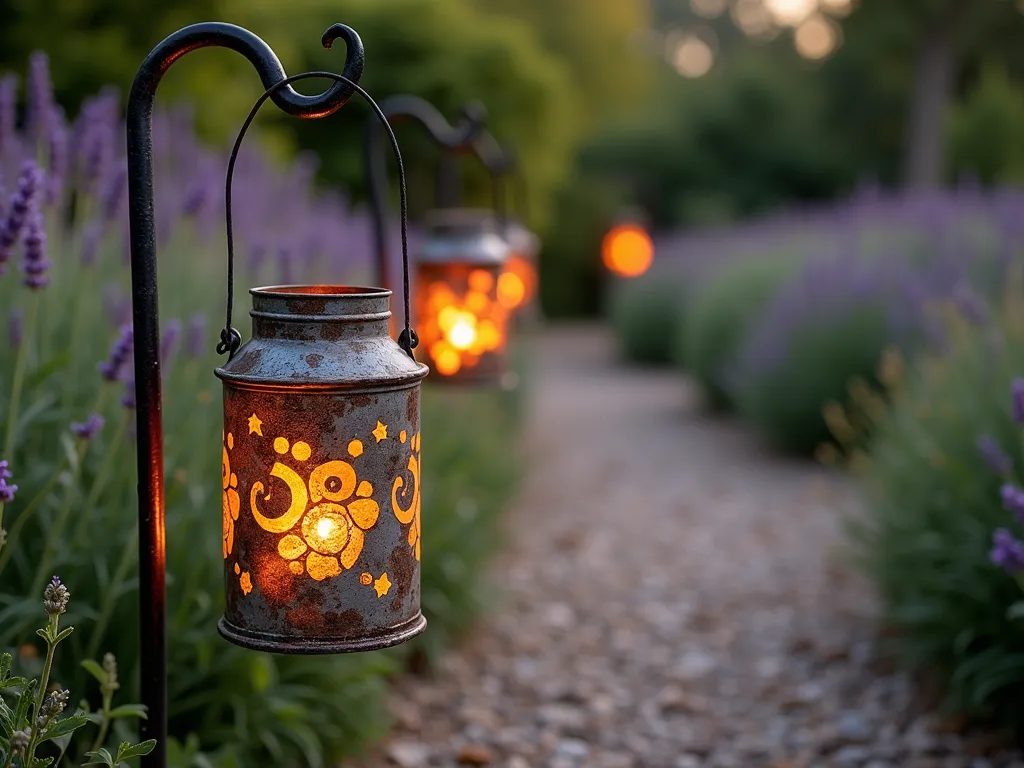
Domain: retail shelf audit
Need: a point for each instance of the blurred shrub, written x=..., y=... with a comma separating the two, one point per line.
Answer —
x=571, y=274
x=820, y=331
x=76, y=508
x=934, y=502
x=719, y=316
x=646, y=314
x=985, y=130
x=747, y=137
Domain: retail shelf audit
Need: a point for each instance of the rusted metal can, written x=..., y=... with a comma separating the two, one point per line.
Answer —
x=321, y=476
x=462, y=323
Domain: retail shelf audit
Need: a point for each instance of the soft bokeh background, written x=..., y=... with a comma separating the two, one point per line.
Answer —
x=829, y=182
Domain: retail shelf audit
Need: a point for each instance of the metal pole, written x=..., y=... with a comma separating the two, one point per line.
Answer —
x=152, y=544
x=457, y=139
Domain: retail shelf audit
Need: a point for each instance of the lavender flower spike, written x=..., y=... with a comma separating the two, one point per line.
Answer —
x=128, y=398
x=88, y=429
x=7, y=490
x=1007, y=552
x=36, y=264
x=120, y=354
x=1017, y=395
x=994, y=455
x=39, y=89
x=22, y=202
x=1013, y=500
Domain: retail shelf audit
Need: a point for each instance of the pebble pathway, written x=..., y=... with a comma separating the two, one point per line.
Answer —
x=675, y=596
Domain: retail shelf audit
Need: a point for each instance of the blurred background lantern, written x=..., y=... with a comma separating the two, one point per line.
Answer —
x=321, y=484
x=517, y=285
x=463, y=322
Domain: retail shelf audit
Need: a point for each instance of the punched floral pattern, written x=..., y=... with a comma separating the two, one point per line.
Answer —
x=410, y=513
x=230, y=502
x=329, y=512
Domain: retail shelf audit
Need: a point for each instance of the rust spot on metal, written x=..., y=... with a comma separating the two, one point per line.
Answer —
x=248, y=361
x=404, y=567
x=345, y=624
x=313, y=361
x=307, y=617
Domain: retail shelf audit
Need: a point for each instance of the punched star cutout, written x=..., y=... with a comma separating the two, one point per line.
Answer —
x=381, y=432
x=382, y=585
x=255, y=425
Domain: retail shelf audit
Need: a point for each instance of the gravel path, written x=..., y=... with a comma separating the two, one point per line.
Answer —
x=675, y=597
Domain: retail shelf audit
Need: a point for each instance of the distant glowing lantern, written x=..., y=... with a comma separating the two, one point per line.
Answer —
x=628, y=250
x=463, y=303
x=321, y=476
x=517, y=284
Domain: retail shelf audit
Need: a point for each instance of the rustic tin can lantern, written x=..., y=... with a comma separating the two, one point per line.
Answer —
x=463, y=322
x=321, y=481
x=517, y=284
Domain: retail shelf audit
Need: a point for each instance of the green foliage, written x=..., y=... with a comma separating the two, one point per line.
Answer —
x=468, y=477
x=36, y=718
x=933, y=507
x=719, y=315
x=746, y=137
x=985, y=130
x=786, y=401
x=646, y=313
x=571, y=273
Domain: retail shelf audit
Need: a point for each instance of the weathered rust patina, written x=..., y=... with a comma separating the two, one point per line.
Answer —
x=321, y=476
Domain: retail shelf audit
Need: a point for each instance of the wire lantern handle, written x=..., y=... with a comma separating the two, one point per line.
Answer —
x=230, y=338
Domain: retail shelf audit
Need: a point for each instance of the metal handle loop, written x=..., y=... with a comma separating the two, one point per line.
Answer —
x=230, y=339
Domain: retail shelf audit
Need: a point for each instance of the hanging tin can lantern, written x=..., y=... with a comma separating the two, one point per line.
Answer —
x=463, y=323
x=517, y=284
x=321, y=480
x=320, y=473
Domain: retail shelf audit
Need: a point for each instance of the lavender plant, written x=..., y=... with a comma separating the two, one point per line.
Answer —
x=35, y=725
x=938, y=472
x=68, y=493
x=66, y=398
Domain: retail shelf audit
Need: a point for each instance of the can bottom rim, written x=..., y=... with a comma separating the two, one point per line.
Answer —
x=303, y=646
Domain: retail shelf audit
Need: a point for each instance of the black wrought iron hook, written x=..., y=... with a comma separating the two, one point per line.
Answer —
x=149, y=416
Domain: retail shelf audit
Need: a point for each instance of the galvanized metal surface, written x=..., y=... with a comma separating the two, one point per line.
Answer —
x=462, y=236
x=321, y=476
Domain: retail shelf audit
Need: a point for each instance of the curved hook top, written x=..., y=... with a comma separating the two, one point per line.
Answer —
x=262, y=57
x=453, y=138
x=494, y=157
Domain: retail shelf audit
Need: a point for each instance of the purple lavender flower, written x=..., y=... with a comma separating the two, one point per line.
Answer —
x=120, y=354
x=128, y=398
x=35, y=265
x=8, y=99
x=994, y=455
x=88, y=429
x=7, y=490
x=97, y=131
x=169, y=340
x=22, y=203
x=15, y=328
x=58, y=155
x=40, y=94
x=1017, y=395
x=114, y=193
x=1013, y=500
x=1007, y=551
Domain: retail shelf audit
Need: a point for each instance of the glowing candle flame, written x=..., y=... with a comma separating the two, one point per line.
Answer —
x=324, y=528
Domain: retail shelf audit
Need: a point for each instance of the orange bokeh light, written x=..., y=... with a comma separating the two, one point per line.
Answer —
x=628, y=250
x=517, y=283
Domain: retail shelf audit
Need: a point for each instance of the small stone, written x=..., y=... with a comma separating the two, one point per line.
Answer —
x=851, y=755
x=853, y=727
x=572, y=748
x=408, y=754
x=475, y=754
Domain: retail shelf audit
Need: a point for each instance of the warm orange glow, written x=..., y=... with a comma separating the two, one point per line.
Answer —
x=517, y=283
x=465, y=319
x=628, y=250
